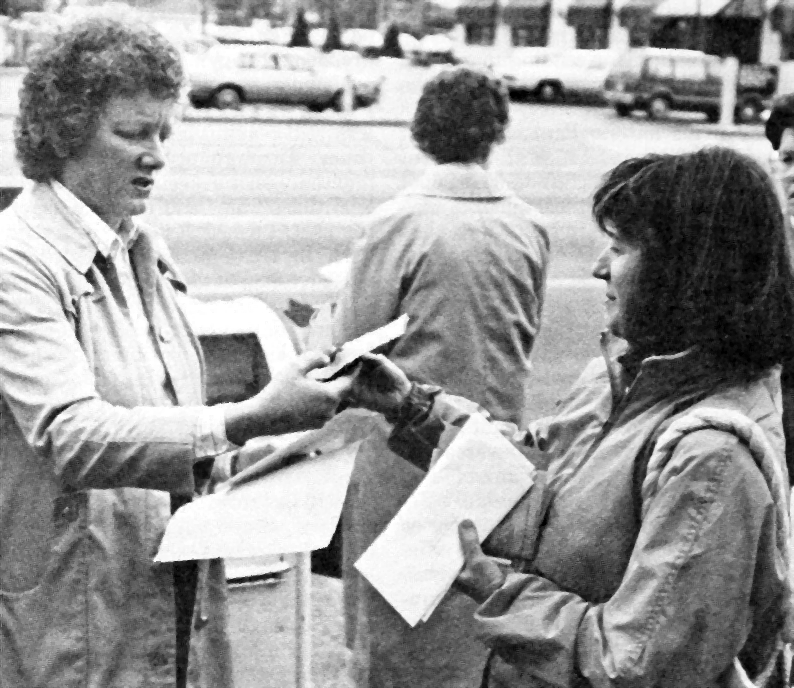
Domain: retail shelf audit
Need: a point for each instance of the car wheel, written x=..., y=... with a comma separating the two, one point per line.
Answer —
x=227, y=98
x=658, y=107
x=748, y=111
x=549, y=92
x=622, y=110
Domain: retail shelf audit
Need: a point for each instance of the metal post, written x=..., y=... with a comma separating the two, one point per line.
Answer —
x=730, y=78
x=698, y=42
x=303, y=620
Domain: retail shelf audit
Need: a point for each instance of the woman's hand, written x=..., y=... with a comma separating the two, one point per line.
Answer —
x=481, y=575
x=378, y=385
x=289, y=403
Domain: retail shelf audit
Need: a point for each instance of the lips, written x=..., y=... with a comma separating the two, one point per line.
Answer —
x=143, y=183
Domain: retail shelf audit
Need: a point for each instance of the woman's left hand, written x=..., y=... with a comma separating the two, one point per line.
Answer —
x=481, y=576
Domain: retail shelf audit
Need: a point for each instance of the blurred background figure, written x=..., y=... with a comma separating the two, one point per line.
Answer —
x=466, y=259
x=103, y=431
x=779, y=130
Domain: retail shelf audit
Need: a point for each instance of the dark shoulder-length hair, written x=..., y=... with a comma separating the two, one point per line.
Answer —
x=715, y=270
x=461, y=114
x=72, y=77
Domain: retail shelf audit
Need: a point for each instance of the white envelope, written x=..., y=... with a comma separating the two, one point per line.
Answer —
x=415, y=560
x=294, y=509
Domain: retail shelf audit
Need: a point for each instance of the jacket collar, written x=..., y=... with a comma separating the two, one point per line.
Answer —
x=457, y=180
x=658, y=376
x=40, y=208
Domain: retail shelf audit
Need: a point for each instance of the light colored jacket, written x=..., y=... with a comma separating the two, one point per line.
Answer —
x=88, y=465
x=659, y=555
x=467, y=260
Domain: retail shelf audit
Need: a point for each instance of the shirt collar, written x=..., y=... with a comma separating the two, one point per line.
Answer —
x=458, y=180
x=106, y=240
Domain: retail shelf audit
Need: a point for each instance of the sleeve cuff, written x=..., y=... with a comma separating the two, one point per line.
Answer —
x=211, y=437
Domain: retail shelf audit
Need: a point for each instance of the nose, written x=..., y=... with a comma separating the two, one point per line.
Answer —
x=153, y=158
x=601, y=266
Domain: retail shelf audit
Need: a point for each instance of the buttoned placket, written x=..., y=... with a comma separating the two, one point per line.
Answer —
x=144, y=331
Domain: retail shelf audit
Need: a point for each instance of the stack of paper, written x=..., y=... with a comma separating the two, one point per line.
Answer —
x=413, y=563
x=294, y=509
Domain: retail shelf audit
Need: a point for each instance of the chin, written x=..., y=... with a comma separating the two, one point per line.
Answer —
x=136, y=208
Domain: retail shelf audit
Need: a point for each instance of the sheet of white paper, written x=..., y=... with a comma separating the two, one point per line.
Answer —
x=366, y=343
x=294, y=509
x=416, y=558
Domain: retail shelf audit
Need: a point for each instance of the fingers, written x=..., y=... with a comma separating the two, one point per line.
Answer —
x=341, y=386
x=469, y=540
x=311, y=360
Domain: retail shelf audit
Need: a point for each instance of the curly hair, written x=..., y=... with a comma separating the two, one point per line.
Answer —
x=715, y=269
x=72, y=77
x=461, y=113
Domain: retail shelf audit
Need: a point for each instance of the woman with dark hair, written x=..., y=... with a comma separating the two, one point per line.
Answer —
x=657, y=553
x=466, y=259
x=103, y=431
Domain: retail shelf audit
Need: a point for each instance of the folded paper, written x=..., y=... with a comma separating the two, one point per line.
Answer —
x=293, y=509
x=351, y=351
x=415, y=560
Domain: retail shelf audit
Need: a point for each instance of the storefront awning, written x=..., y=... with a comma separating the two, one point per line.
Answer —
x=586, y=11
x=710, y=8
x=517, y=12
x=635, y=12
x=477, y=12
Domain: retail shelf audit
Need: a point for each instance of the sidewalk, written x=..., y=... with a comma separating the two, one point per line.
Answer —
x=262, y=631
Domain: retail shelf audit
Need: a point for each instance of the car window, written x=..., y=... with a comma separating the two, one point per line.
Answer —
x=660, y=67
x=294, y=62
x=690, y=70
x=714, y=69
x=253, y=60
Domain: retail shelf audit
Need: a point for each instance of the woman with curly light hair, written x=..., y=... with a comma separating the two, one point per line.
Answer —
x=103, y=431
x=466, y=259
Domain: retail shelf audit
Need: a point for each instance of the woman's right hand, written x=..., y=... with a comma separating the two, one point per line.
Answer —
x=289, y=403
x=378, y=385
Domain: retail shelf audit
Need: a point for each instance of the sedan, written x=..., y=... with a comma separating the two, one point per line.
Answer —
x=227, y=76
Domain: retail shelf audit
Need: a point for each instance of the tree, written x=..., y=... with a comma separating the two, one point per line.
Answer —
x=333, y=37
x=300, y=31
x=391, y=42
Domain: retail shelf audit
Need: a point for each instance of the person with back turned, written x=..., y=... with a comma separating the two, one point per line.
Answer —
x=466, y=259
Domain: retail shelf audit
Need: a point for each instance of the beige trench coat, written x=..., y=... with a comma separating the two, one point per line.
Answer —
x=87, y=466
x=467, y=260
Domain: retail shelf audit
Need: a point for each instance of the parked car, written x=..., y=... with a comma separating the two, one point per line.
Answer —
x=551, y=75
x=434, y=49
x=658, y=80
x=227, y=76
x=366, y=42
